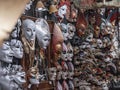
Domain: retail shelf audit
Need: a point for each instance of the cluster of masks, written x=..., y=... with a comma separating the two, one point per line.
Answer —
x=84, y=46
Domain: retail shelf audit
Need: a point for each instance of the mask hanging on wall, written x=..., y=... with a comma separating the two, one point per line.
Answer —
x=70, y=52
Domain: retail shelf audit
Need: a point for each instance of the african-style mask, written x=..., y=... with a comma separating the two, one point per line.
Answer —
x=64, y=54
x=17, y=47
x=89, y=38
x=64, y=30
x=52, y=72
x=99, y=43
x=62, y=11
x=29, y=29
x=57, y=42
x=71, y=30
x=70, y=52
x=6, y=54
x=42, y=33
x=64, y=75
x=76, y=82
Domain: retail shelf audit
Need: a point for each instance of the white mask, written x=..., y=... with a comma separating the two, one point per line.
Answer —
x=62, y=11
x=29, y=29
x=6, y=54
x=17, y=47
x=64, y=53
x=52, y=72
x=28, y=5
x=71, y=30
x=42, y=33
x=64, y=31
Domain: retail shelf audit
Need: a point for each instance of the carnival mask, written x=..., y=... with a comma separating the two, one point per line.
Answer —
x=17, y=47
x=70, y=52
x=28, y=5
x=62, y=11
x=59, y=86
x=76, y=50
x=76, y=82
x=59, y=74
x=71, y=85
x=89, y=38
x=64, y=31
x=104, y=86
x=76, y=59
x=70, y=74
x=96, y=31
x=70, y=66
x=64, y=75
x=29, y=29
x=71, y=30
x=99, y=43
x=6, y=54
x=42, y=33
x=52, y=72
x=64, y=53
x=65, y=85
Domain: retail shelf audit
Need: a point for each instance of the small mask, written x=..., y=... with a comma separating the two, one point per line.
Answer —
x=76, y=59
x=70, y=51
x=64, y=31
x=65, y=85
x=71, y=85
x=89, y=38
x=104, y=86
x=77, y=72
x=59, y=86
x=6, y=54
x=76, y=50
x=64, y=53
x=62, y=11
x=76, y=82
x=70, y=74
x=52, y=72
x=71, y=30
x=42, y=33
x=59, y=74
x=28, y=5
x=64, y=75
x=29, y=29
x=17, y=47
x=99, y=43
x=96, y=31
x=70, y=66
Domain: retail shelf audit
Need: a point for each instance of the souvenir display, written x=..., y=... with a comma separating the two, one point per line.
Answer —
x=63, y=45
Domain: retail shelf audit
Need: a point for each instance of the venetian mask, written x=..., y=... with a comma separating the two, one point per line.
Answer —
x=76, y=59
x=71, y=30
x=6, y=54
x=77, y=72
x=89, y=38
x=70, y=52
x=76, y=82
x=42, y=33
x=65, y=85
x=99, y=43
x=64, y=53
x=70, y=74
x=59, y=74
x=64, y=75
x=64, y=31
x=70, y=66
x=52, y=72
x=59, y=86
x=17, y=48
x=71, y=85
x=62, y=11
x=64, y=65
x=28, y=5
x=29, y=29
x=96, y=31
x=104, y=86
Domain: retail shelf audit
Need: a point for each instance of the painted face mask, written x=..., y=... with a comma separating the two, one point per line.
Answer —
x=64, y=31
x=29, y=29
x=71, y=30
x=62, y=11
x=64, y=53
x=52, y=72
x=70, y=52
x=6, y=54
x=17, y=47
x=42, y=33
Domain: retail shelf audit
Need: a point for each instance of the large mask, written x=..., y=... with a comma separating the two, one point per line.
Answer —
x=71, y=30
x=57, y=42
x=6, y=54
x=17, y=47
x=62, y=11
x=64, y=31
x=64, y=53
x=42, y=33
x=52, y=72
x=29, y=29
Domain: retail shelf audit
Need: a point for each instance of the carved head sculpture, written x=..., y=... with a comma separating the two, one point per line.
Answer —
x=57, y=42
x=64, y=30
x=52, y=72
x=42, y=33
x=28, y=27
x=81, y=24
x=6, y=54
x=17, y=47
x=64, y=53
x=71, y=30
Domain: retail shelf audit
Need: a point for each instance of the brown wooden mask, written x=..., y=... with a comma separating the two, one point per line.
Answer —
x=57, y=41
x=81, y=24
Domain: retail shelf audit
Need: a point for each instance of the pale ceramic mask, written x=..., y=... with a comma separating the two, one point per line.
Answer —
x=17, y=47
x=52, y=73
x=89, y=38
x=64, y=75
x=64, y=31
x=42, y=33
x=62, y=11
x=70, y=52
x=64, y=53
x=71, y=30
x=6, y=54
x=29, y=29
